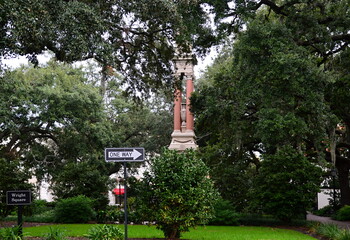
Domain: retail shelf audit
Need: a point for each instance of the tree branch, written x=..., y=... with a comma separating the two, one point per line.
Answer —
x=272, y=5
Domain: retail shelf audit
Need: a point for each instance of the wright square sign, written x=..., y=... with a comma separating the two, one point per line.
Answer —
x=19, y=197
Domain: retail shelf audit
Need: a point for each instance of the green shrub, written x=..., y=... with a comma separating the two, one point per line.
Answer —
x=101, y=216
x=37, y=207
x=267, y=220
x=331, y=231
x=105, y=232
x=326, y=211
x=74, y=210
x=224, y=214
x=40, y=206
x=55, y=233
x=115, y=214
x=343, y=214
x=111, y=214
x=10, y=233
x=47, y=217
x=345, y=235
x=280, y=185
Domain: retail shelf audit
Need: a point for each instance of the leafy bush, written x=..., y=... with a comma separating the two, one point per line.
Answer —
x=267, y=220
x=55, y=233
x=331, y=231
x=345, y=235
x=37, y=207
x=105, y=232
x=224, y=214
x=40, y=206
x=47, y=217
x=111, y=214
x=326, y=211
x=10, y=233
x=101, y=216
x=280, y=185
x=115, y=215
x=343, y=214
x=74, y=210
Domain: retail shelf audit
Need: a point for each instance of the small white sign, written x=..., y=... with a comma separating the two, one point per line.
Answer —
x=124, y=154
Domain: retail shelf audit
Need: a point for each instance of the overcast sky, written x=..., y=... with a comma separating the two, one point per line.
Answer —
x=43, y=58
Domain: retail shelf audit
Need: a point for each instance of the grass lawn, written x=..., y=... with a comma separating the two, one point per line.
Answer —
x=200, y=233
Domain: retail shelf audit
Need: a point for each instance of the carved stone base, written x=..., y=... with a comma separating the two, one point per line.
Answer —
x=183, y=140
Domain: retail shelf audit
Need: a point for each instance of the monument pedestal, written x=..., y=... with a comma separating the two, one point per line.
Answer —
x=183, y=140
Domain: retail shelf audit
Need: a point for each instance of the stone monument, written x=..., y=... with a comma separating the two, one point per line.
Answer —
x=183, y=136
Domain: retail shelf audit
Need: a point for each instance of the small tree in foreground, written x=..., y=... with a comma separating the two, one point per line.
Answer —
x=177, y=192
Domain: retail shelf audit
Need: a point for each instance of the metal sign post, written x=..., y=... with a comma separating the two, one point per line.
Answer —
x=19, y=198
x=125, y=203
x=125, y=155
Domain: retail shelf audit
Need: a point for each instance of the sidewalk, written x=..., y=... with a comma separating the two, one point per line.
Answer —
x=315, y=218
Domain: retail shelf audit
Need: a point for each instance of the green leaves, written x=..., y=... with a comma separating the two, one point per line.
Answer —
x=55, y=124
x=14, y=176
x=54, y=121
x=74, y=210
x=287, y=184
x=278, y=128
x=136, y=38
x=105, y=232
x=177, y=192
x=265, y=93
x=39, y=103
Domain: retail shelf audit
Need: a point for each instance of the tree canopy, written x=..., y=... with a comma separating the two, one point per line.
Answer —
x=49, y=104
x=55, y=124
x=137, y=38
x=281, y=82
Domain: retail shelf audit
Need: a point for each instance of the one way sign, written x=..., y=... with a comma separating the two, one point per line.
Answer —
x=124, y=154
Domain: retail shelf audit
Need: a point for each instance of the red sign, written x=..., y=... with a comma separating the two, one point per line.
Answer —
x=118, y=191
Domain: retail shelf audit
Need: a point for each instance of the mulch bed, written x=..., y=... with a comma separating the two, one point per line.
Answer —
x=303, y=230
x=83, y=238
x=25, y=224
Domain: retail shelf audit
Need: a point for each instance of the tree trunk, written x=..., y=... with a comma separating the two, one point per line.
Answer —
x=343, y=175
x=172, y=232
x=104, y=77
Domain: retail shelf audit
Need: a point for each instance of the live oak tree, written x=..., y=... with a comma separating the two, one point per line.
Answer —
x=137, y=38
x=320, y=26
x=50, y=118
x=131, y=37
x=48, y=104
x=285, y=80
x=55, y=123
x=146, y=124
x=265, y=94
x=339, y=141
